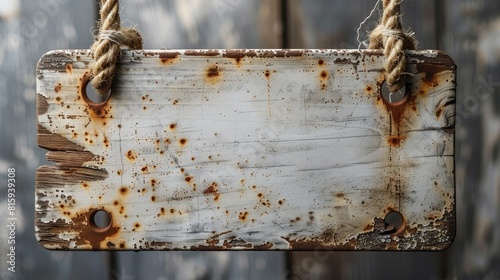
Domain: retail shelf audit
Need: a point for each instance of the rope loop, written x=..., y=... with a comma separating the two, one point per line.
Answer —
x=390, y=37
x=107, y=48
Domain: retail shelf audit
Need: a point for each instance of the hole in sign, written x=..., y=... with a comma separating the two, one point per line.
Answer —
x=393, y=221
x=394, y=98
x=100, y=220
x=90, y=95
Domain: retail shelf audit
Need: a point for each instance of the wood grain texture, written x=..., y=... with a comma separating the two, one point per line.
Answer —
x=248, y=149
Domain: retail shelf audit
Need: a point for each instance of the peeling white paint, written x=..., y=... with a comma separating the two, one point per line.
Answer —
x=264, y=149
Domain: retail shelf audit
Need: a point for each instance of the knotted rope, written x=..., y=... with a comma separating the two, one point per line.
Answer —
x=108, y=45
x=390, y=37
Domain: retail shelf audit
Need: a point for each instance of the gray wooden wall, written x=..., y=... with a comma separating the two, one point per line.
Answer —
x=469, y=30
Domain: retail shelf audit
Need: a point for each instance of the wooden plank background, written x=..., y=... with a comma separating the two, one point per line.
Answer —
x=467, y=29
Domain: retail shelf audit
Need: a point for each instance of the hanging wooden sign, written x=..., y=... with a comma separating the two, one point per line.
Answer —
x=246, y=149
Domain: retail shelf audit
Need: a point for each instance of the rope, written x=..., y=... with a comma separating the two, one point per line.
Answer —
x=389, y=36
x=107, y=47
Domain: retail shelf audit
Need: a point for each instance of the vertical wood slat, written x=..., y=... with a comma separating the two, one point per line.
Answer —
x=470, y=39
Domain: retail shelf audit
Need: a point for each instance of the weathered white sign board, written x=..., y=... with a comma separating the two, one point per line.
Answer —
x=246, y=149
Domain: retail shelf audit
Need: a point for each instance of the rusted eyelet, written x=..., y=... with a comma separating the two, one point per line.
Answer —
x=95, y=101
x=395, y=98
x=100, y=220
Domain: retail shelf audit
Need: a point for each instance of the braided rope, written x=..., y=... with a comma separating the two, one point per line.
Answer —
x=389, y=36
x=107, y=48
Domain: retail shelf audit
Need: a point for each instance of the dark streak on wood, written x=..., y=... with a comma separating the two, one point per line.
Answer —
x=51, y=176
x=48, y=233
x=69, y=158
x=41, y=204
x=54, y=142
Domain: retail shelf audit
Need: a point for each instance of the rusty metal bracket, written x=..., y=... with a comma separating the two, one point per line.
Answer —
x=246, y=150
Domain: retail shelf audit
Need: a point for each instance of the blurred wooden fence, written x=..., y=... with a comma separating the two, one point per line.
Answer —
x=467, y=29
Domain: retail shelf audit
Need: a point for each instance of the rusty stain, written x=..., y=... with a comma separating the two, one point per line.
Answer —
x=311, y=215
x=69, y=68
x=168, y=57
x=106, y=141
x=93, y=235
x=213, y=74
x=396, y=141
x=131, y=155
x=123, y=190
x=368, y=227
x=267, y=73
x=397, y=110
x=85, y=235
x=239, y=54
x=57, y=88
x=211, y=189
x=369, y=89
x=324, y=76
x=183, y=142
x=439, y=112
x=243, y=215
x=440, y=64
x=201, y=53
